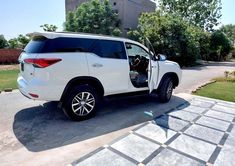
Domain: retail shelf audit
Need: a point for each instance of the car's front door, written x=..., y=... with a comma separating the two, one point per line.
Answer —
x=153, y=68
x=152, y=74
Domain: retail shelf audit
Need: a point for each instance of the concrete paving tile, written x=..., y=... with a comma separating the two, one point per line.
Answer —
x=171, y=158
x=135, y=147
x=189, y=116
x=156, y=133
x=220, y=115
x=214, y=123
x=171, y=122
x=231, y=139
x=105, y=157
x=205, y=133
x=224, y=109
x=202, y=103
x=208, y=100
x=194, y=147
x=194, y=109
x=227, y=154
x=227, y=104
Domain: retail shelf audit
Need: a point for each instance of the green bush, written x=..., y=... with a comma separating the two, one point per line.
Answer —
x=220, y=46
x=170, y=35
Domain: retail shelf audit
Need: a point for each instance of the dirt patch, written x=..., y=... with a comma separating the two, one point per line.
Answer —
x=9, y=67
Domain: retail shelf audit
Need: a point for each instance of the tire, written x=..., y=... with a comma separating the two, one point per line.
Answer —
x=81, y=103
x=165, y=90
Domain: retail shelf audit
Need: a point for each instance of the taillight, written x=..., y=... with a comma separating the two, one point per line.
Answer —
x=42, y=62
x=33, y=95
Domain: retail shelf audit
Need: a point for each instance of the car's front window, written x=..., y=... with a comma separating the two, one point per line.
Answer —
x=134, y=50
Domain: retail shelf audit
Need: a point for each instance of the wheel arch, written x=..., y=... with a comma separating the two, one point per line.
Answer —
x=172, y=75
x=83, y=80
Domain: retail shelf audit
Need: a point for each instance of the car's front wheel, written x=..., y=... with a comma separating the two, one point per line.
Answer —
x=166, y=90
x=82, y=103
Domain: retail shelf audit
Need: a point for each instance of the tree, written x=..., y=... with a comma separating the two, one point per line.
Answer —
x=204, y=13
x=20, y=42
x=49, y=28
x=229, y=30
x=14, y=43
x=3, y=42
x=94, y=17
x=23, y=40
x=170, y=35
x=71, y=23
x=220, y=45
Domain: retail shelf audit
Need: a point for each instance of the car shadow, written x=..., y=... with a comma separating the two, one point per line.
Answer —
x=45, y=127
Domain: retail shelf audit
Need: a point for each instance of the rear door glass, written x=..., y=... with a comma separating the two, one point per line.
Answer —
x=110, y=49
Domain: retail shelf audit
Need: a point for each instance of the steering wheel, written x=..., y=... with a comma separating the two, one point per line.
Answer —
x=136, y=61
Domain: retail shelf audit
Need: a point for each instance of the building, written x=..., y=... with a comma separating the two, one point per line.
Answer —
x=129, y=10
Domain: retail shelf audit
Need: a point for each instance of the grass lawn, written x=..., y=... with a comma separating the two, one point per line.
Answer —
x=224, y=90
x=8, y=79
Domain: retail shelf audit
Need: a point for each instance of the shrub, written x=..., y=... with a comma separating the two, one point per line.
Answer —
x=220, y=46
x=170, y=35
x=9, y=56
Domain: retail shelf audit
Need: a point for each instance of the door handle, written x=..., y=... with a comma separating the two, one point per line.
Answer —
x=97, y=65
x=154, y=66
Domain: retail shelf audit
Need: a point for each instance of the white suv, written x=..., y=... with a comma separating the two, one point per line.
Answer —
x=80, y=69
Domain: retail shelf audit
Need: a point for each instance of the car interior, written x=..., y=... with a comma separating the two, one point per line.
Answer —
x=139, y=61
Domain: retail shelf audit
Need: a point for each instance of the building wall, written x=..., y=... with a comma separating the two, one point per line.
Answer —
x=129, y=10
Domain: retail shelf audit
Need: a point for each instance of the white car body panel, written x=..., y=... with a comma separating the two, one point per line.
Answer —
x=112, y=73
x=49, y=83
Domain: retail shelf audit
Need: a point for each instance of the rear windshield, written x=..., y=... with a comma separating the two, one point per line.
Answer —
x=36, y=45
x=44, y=45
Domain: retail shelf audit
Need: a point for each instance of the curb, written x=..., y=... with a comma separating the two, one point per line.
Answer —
x=7, y=90
x=200, y=87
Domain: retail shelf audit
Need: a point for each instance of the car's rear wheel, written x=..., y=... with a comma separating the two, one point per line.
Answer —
x=82, y=103
x=166, y=90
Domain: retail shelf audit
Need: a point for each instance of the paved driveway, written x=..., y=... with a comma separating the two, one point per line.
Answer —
x=37, y=133
x=199, y=132
x=193, y=77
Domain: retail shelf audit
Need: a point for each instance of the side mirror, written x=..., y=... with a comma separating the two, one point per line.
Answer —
x=162, y=57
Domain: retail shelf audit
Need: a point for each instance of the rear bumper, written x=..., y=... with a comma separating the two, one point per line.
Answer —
x=23, y=87
x=38, y=88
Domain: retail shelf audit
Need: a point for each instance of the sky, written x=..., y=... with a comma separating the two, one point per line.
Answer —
x=25, y=16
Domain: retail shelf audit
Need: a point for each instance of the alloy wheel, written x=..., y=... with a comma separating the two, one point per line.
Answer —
x=83, y=103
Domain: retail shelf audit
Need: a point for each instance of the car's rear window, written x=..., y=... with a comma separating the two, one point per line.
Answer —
x=44, y=45
x=36, y=45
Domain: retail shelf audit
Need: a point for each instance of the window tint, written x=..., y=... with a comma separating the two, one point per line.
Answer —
x=68, y=45
x=110, y=49
x=134, y=50
x=36, y=45
x=44, y=45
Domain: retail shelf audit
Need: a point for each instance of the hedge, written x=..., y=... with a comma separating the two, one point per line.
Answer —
x=9, y=56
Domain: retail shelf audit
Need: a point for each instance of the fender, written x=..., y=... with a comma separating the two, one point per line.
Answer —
x=81, y=81
x=173, y=75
